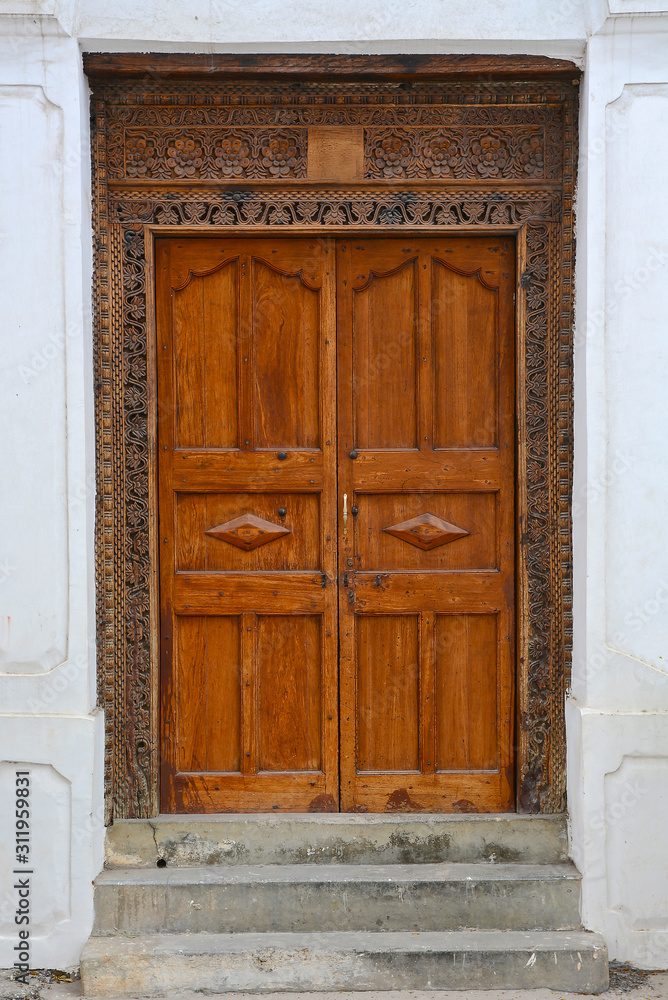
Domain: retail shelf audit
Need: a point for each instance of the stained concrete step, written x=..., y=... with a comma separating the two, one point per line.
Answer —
x=336, y=838
x=304, y=898
x=450, y=960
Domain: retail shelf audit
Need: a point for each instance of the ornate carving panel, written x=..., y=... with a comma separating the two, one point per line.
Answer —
x=165, y=154
x=205, y=154
x=371, y=206
x=463, y=153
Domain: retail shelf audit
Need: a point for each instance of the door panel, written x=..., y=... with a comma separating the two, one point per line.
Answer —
x=247, y=470
x=289, y=666
x=380, y=550
x=465, y=326
x=208, y=692
x=387, y=692
x=465, y=691
x=285, y=346
x=385, y=318
x=427, y=559
x=205, y=345
x=197, y=514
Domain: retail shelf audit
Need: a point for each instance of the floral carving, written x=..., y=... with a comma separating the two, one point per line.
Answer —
x=185, y=157
x=442, y=157
x=531, y=157
x=391, y=156
x=530, y=152
x=232, y=155
x=162, y=154
x=457, y=153
x=376, y=207
x=280, y=156
x=489, y=156
x=140, y=156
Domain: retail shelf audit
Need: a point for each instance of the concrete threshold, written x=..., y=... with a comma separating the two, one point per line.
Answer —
x=336, y=838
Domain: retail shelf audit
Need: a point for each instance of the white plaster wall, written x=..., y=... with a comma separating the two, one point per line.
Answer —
x=33, y=621
x=49, y=724
x=617, y=713
x=347, y=25
x=66, y=837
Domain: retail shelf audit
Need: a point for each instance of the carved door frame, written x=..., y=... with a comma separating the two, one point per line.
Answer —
x=186, y=145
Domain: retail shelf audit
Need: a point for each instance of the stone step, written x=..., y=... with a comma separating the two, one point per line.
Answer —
x=304, y=898
x=336, y=838
x=450, y=960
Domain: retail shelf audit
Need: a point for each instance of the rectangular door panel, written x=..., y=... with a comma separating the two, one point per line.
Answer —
x=465, y=692
x=384, y=348
x=205, y=318
x=211, y=537
x=387, y=538
x=289, y=668
x=426, y=464
x=208, y=692
x=247, y=477
x=465, y=326
x=387, y=692
x=284, y=342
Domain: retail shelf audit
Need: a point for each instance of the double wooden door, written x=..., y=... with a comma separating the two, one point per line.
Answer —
x=336, y=523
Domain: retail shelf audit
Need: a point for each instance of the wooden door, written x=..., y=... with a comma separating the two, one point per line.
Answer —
x=250, y=514
x=247, y=501
x=426, y=459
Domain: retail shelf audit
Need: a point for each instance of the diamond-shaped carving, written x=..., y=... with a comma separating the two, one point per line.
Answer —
x=426, y=531
x=248, y=531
